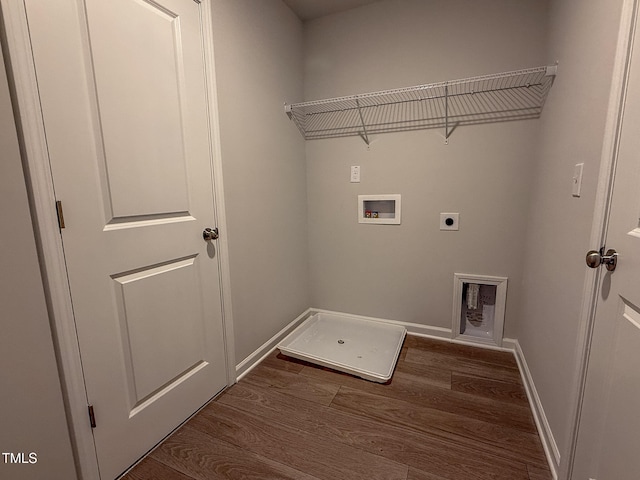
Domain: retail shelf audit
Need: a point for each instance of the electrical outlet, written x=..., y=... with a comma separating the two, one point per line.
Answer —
x=449, y=221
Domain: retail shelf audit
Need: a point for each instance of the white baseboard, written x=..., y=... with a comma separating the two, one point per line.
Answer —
x=269, y=346
x=412, y=328
x=508, y=344
x=244, y=367
x=544, y=430
x=417, y=329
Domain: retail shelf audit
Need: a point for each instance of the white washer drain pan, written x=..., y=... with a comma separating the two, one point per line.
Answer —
x=365, y=348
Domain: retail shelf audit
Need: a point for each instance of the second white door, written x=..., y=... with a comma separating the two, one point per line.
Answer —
x=609, y=432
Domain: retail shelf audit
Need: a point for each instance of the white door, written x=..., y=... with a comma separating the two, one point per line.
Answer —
x=124, y=100
x=609, y=435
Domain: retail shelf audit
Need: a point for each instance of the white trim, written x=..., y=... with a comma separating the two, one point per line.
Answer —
x=42, y=200
x=509, y=344
x=600, y=222
x=412, y=328
x=396, y=219
x=218, y=189
x=542, y=424
x=459, y=279
x=246, y=365
x=426, y=331
x=419, y=330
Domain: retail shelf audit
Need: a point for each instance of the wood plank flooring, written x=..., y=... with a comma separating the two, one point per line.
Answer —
x=450, y=412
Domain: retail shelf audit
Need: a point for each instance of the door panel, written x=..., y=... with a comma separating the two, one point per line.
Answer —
x=123, y=95
x=153, y=305
x=622, y=424
x=145, y=159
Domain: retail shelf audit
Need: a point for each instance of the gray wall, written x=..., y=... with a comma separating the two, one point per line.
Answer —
x=258, y=52
x=406, y=272
x=32, y=416
x=582, y=38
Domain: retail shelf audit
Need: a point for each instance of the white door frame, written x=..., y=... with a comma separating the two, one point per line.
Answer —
x=609, y=157
x=22, y=77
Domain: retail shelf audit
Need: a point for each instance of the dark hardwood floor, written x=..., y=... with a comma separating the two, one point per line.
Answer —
x=450, y=412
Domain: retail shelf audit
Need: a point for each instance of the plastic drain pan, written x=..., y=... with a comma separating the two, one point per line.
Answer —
x=365, y=348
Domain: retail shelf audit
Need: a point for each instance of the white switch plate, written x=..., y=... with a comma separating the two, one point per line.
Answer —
x=449, y=221
x=577, y=179
x=355, y=174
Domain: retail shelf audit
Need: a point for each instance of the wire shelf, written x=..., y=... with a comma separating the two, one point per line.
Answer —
x=516, y=95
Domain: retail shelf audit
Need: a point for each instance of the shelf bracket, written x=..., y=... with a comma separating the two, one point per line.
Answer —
x=446, y=115
x=363, y=134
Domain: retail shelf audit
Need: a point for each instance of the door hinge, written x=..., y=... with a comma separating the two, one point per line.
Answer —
x=92, y=416
x=60, y=214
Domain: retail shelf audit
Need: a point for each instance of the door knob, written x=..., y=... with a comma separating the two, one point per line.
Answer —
x=595, y=258
x=210, y=233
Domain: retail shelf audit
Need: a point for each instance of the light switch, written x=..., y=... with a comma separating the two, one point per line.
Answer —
x=355, y=174
x=577, y=179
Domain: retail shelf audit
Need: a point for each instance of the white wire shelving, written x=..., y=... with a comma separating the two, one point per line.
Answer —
x=516, y=95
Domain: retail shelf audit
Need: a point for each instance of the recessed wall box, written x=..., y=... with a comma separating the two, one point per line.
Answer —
x=478, y=308
x=380, y=209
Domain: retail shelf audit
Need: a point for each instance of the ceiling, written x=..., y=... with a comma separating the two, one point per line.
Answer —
x=310, y=9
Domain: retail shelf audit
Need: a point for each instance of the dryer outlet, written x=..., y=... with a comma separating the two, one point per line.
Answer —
x=449, y=221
